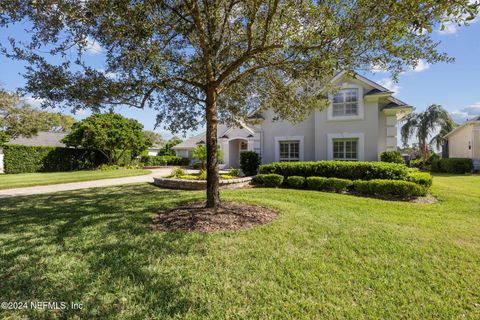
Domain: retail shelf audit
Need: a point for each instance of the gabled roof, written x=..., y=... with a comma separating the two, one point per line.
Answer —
x=43, y=138
x=191, y=142
x=475, y=120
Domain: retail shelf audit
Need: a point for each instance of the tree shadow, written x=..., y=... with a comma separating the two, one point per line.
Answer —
x=96, y=247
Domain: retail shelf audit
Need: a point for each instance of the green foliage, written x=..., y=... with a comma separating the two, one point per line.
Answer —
x=110, y=133
x=328, y=184
x=234, y=172
x=4, y=138
x=226, y=176
x=202, y=175
x=151, y=161
x=188, y=177
x=200, y=153
x=153, y=139
x=249, y=162
x=177, y=172
x=392, y=156
x=296, y=182
x=338, y=169
x=422, y=178
x=24, y=159
x=389, y=188
x=269, y=180
x=167, y=150
x=453, y=165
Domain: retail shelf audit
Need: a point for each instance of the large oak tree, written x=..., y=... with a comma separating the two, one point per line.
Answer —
x=217, y=60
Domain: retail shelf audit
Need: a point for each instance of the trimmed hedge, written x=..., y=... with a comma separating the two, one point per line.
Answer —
x=396, y=188
x=328, y=184
x=165, y=161
x=452, y=165
x=296, y=182
x=338, y=169
x=392, y=156
x=269, y=180
x=26, y=159
x=249, y=162
x=422, y=178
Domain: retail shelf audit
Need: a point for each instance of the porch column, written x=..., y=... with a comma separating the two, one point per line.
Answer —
x=226, y=151
x=391, y=132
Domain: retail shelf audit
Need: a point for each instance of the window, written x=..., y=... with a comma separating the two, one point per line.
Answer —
x=345, y=149
x=243, y=146
x=345, y=103
x=289, y=150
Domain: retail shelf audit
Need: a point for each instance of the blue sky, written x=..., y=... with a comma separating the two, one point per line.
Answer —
x=455, y=86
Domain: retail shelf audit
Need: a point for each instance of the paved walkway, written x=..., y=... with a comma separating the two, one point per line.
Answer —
x=7, y=193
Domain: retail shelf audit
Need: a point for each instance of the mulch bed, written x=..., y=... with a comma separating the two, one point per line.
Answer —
x=228, y=216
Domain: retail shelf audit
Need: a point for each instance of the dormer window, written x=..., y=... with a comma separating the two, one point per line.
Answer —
x=345, y=103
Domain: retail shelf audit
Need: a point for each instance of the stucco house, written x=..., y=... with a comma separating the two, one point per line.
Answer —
x=359, y=124
x=464, y=142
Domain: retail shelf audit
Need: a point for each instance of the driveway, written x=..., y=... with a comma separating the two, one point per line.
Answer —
x=7, y=193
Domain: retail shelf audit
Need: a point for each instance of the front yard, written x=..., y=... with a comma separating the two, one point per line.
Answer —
x=327, y=256
x=8, y=181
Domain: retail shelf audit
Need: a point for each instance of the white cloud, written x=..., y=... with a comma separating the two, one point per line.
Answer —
x=376, y=68
x=34, y=102
x=93, y=47
x=390, y=85
x=449, y=28
x=422, y=65
x=467, y=113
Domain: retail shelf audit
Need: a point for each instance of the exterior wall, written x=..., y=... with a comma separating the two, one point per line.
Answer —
x=186, y=153
x=458, y=143
x=272, y=131
x=1, y=161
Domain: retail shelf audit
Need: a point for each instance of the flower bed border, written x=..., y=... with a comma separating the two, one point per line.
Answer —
x=200, y=184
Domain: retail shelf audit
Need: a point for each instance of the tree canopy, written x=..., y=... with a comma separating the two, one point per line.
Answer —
x=167, y=150
x=208, y=61
x=111, y=134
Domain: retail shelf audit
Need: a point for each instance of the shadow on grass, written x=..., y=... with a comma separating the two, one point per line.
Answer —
x=96, y=247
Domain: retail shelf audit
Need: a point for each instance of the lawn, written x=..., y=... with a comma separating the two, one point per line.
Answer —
x=327, y=256
x=8, y=181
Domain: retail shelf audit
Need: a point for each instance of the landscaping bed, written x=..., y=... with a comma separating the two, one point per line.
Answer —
x=183, y=184
x=228, y=216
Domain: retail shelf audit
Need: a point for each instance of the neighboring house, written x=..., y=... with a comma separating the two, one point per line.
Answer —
x=153, y=150
x=49, y=139
x=464, y=142
x=359, y=124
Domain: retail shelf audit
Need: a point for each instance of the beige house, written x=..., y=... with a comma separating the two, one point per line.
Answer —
x=464, y=142
x=359, y=124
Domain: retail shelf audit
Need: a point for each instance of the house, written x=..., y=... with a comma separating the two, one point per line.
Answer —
x=464, y=142
x=359, y=124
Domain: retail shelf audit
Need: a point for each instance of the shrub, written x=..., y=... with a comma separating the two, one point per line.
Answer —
x=296, y=182
x=417, y=163
x=249, y=162
x=337, y=185
x=453, y=165
x=25, y=159
x=339, y=169
x=202, y=175
x=188, y=177
x=226, y=176
x=234, y=172
x=396, y=188
x=177, y=173
x=316, y=183
x=150, y=161
x=269, y=180
x=421, y=178
x=392, y=156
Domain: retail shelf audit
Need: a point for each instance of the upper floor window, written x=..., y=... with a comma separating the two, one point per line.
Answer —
x=345, y=103
x=289, y=151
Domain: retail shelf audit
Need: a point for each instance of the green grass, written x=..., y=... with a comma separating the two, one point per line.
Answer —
x=8, y=181
x=327, y=256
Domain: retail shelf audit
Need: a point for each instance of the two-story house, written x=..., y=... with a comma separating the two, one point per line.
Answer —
x=359, y=123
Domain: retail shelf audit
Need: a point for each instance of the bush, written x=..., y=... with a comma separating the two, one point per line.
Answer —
x=202, y=175
x=392, y=156
x=178, y=172
x=151, y=161
x=26, y=159
x=226, y=177
x=417, y=163
x=296, y=182
x=316, y=183
x=453, y=165
x=421, y=178
x=187, y=177
x=328, y=184
x=338, y=169
x=269, y=180
x=234, y=172
x=396, y=188
x=249, y=162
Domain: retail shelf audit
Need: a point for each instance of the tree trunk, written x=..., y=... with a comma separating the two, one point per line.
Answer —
x=213, y=196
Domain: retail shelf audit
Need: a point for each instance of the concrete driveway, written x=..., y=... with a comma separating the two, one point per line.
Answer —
x=17, y=192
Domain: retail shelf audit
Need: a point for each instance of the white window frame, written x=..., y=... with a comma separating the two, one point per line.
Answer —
x=300, y=140
x=360, y=144
x=361, y=106
x=344, y=151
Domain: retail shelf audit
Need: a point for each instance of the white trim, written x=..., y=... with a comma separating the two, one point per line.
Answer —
x=277, y=140
x=361, y=105
x=361, y=143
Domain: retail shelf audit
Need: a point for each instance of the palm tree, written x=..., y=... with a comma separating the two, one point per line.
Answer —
x=424, y=125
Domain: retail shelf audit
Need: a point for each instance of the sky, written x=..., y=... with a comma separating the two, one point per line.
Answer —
x=455, y=86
